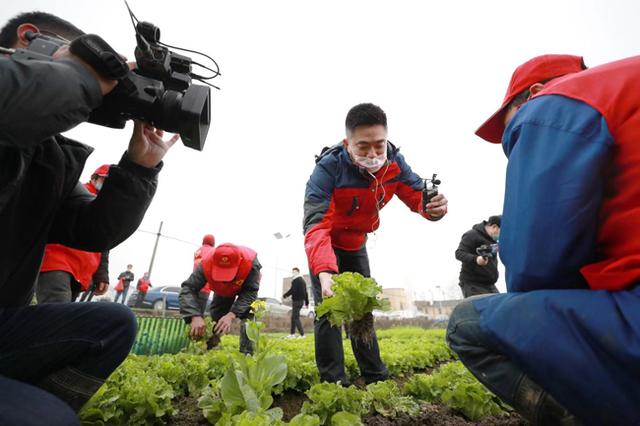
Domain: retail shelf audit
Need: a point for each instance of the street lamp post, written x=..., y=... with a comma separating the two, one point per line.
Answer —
x=278, y=236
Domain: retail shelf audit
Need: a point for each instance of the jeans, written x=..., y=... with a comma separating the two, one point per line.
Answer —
x=220, y=307
x=295, y=317
x=497, y=372
x=122, y=293
x=56, y=287
x=66, y=349
x=469, y=290
x=328, y=339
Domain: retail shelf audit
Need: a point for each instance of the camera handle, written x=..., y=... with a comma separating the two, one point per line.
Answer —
x=100, y=56
x=428, y=192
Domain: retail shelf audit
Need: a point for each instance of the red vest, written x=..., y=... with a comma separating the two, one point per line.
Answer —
x=613, y=89
x=143, y=285
x=80, y=264
x=229, y=289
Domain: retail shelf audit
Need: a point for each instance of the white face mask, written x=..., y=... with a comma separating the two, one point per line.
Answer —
x=98, y=186
x=372, y=165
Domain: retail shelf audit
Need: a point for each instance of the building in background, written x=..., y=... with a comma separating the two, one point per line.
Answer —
x=437, y=309
x=399, y=299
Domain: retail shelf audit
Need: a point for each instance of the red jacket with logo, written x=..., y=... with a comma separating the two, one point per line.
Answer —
x=82, y=265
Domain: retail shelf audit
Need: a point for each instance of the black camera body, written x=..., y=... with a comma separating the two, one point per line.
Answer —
x=429, y=190
x=487, y=250
x=159, y=90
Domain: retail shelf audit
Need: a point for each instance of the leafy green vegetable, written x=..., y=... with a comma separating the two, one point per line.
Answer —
x=388, y=401
x=456, y=387
x=327, y=399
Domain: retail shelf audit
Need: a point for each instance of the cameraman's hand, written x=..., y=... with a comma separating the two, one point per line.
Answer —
x=326, y=282
x=437, y=207
x=147, y=148
x=106, y=85
x=482, y=261
x=198, y=327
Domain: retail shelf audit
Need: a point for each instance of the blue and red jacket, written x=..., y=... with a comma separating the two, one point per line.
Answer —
x=342, y=203
x=570, y=242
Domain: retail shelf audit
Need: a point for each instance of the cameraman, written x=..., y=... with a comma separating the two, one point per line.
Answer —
x=67, y=350
x=478, y=274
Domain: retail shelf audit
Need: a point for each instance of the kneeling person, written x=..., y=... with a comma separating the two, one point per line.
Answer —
x=233, y=273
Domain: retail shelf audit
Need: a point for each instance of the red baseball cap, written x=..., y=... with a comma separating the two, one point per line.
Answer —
x=209, y=240
x=102, y=171
x=226, y=261
x=540, y=68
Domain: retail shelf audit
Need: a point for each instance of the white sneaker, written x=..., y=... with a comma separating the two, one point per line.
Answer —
x=302, y=337
x=291, y=336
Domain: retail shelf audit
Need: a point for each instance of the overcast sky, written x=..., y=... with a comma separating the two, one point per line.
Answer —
x=290, y=72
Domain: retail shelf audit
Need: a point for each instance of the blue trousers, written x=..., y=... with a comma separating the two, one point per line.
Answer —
x=67, y=350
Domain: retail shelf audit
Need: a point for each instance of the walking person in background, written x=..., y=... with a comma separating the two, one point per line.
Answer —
x=479, y=272
x=299, y=297
x=143, y=286
x=124, y=280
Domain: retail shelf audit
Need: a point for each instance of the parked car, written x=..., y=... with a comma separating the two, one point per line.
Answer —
x=308, y=312
x=275, y=306
x=161, y=297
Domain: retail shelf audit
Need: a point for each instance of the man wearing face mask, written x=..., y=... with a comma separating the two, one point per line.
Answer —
x=351, y=182
x=66, y=271
x=478, y=274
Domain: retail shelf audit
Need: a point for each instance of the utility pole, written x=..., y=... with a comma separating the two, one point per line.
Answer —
x=155, y=248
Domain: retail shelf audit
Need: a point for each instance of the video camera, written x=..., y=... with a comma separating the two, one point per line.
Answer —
x=487, y=250
x=158, y=90
x=429, y=190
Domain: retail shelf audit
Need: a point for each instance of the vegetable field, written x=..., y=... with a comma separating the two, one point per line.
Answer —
x=279, y=385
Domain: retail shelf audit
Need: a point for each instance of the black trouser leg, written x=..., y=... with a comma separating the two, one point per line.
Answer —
x=367, y=354
x=54, y=287
x=220, y=306
x=295, y=317
x=328, y=340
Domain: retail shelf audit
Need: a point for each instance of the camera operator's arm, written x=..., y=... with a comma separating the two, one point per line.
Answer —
x=39, y=99
x=189, y=303
x=466, y=252
x=410, y=192
x=249, y=291
x=101, y=223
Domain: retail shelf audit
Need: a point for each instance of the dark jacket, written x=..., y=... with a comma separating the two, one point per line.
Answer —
x=126, y=277
x=41, y=200
x=298, y=291
x=191, y=306
x=471, y=272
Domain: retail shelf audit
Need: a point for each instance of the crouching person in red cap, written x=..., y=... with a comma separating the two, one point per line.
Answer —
x=233, y=273
x=563, y=345
x=65, y=272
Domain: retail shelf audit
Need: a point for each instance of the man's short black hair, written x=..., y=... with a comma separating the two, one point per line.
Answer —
x=365, y=115
x=495, y=220
x=44, y=21
x=295, y=269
